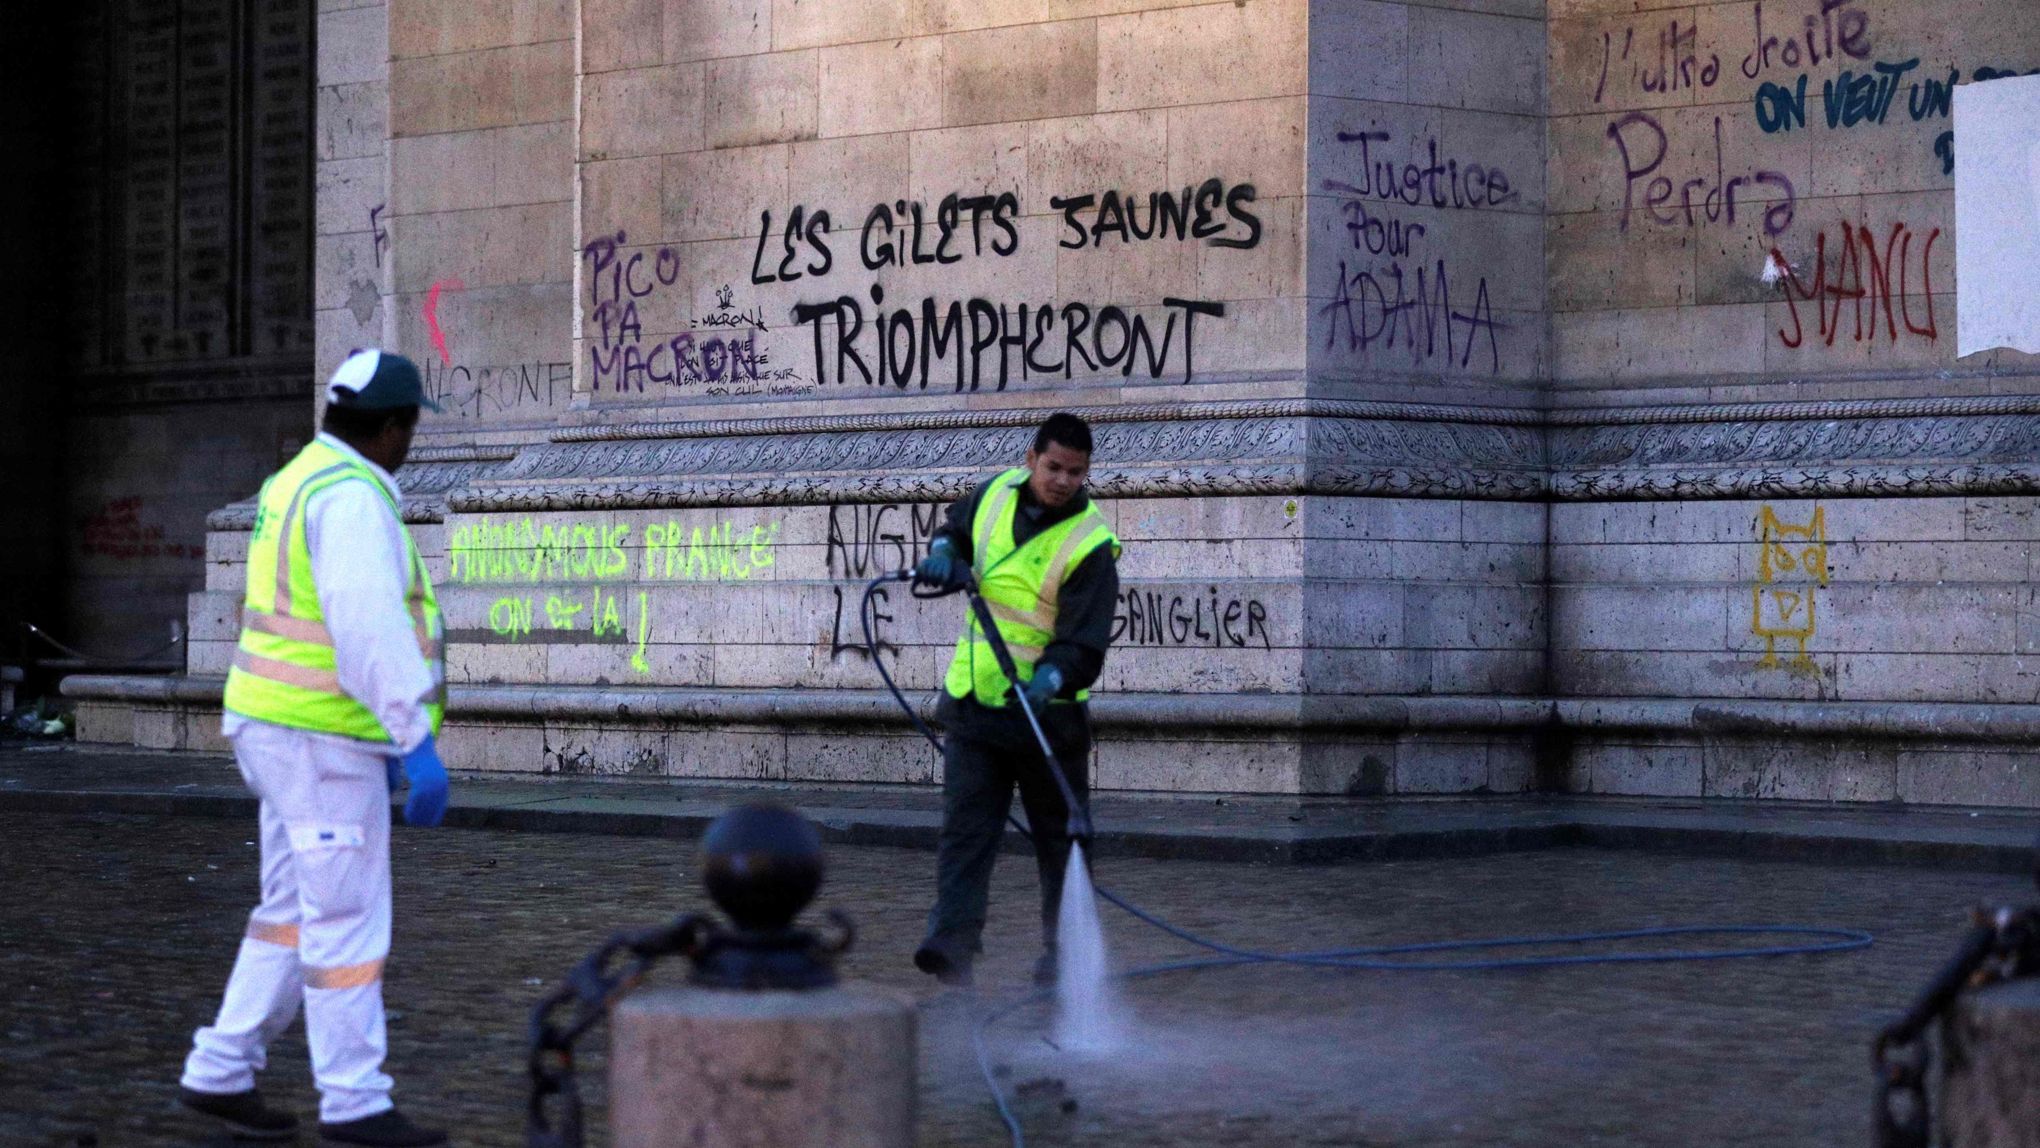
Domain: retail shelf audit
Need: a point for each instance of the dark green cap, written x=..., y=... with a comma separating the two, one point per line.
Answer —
x=377, y=381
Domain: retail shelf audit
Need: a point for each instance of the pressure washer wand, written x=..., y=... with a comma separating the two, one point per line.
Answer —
x=1079, y=826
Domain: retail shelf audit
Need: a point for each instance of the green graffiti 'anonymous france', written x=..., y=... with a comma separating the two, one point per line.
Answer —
x=519, y=550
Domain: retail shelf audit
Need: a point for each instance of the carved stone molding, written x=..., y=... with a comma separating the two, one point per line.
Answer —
x=1883, y=447
x=1031, y=416
x=426, y=478
x=1828, y=409
x=1273, y=448
x=1988, y=447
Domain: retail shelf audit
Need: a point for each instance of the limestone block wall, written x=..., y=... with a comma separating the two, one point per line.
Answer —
x=1492, y=395
x=446, y=223
x=1751, y=265
x=351, y=161
x=1427, y=201
x=1693, y=145
x=853, y=202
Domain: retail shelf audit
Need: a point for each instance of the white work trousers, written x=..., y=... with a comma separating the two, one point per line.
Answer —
x=322, y=930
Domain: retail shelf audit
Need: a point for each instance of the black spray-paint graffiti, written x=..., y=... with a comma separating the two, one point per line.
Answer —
x=1160, y=618
x=473, y=392
x=905, y=345
x=864, y=541
x=1192, y=214
x=379, y=234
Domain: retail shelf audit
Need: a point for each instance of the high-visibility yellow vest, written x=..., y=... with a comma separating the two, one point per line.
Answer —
x=1021, y=585
x=284, y=672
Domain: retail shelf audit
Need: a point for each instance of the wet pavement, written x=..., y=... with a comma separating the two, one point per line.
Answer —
x=118, y=931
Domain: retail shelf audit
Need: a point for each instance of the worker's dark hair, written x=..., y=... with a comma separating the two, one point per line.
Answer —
x=1064, y=428
x=354, y=425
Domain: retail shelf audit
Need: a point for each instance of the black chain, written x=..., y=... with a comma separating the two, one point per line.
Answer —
x=2002, y=944
x=592, y=986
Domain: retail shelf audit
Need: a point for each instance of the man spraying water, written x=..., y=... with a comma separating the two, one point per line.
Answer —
x=1045, y=562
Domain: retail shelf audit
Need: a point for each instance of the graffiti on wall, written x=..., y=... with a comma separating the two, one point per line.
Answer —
x=1851, y=273
x=1791, y=565
x=719, y=354
x=464, y=391
x=490, y=550
x=855, y=337
x=117, y=530
x=600, y=580
x=1865, y=99
x=1839, y=70
x=865, y=540
x=1212, y=620
x=1393, y=292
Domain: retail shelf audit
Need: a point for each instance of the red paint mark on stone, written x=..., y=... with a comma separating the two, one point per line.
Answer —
x=432, y=318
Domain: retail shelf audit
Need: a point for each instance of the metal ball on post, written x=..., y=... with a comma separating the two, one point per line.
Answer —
x=763, y=1046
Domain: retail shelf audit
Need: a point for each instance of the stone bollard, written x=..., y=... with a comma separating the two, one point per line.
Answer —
x=764, y=1049
x=1990, y=1077
x=775, y=1069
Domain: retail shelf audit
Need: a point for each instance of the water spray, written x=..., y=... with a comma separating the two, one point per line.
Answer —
x=1490, y=954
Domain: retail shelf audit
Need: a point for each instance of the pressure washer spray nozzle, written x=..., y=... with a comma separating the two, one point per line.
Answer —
x=1080, y=827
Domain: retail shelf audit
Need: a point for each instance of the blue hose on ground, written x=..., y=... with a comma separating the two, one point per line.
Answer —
x=1369, y=959
x=1377, y=958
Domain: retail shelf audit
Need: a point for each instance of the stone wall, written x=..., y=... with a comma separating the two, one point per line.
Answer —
x=1752, y=204
x=1693, y=145
x=1460, y=441
x=1427, y=185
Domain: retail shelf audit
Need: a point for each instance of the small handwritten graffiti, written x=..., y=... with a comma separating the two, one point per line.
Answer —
x=1791, y=565
x=116, y=530
x=1867, y=281
x=605, y=618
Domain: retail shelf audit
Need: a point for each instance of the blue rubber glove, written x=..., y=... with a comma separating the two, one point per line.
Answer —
x=1043, y=686
x=394, y=769
x=428, y=784
x=940, y=570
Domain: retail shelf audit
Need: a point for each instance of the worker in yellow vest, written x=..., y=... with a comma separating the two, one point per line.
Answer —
x=1046, y=562
x=335, y=694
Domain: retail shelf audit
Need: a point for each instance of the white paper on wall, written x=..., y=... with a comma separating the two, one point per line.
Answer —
x=1997, y=215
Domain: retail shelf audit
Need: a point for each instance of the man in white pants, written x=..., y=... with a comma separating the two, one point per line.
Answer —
x=337, y=687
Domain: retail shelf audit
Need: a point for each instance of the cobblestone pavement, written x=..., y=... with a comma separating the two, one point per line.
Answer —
x=119, y=929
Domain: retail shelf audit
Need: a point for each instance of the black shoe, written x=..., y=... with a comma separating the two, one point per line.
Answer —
x=386, y=1129
x=1047, y=968
x=243, y=1112
x=945, y=960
